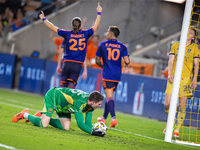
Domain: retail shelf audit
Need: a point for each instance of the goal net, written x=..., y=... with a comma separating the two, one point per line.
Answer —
x=189, y=130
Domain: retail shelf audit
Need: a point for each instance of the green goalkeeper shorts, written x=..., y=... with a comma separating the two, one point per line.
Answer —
x=48, y=106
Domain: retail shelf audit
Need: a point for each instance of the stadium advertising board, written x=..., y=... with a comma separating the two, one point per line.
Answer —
x=32, y=74
x=7, y=69
x=135, y=94
x=51, y=77
x=139, y=95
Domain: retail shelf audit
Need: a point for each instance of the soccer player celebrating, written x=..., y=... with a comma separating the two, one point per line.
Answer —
x=112, y=52
x=75, y=49
x=188, y=79
x=65, y=101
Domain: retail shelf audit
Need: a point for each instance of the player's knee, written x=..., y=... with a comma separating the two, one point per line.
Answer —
x=67, y=127
x=44, y=124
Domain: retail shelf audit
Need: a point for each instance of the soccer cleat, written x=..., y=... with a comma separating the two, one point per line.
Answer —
x=19, y=116
x=114, y=123
x=176, y=134
x=38, y=114
x=100, y=119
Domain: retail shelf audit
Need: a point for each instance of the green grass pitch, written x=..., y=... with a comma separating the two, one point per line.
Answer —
x=132, y=133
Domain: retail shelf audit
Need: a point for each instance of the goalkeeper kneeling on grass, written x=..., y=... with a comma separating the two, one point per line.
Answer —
x=65, y=101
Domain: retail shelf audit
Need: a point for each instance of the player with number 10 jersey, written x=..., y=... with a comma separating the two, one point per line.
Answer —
x=112, y=52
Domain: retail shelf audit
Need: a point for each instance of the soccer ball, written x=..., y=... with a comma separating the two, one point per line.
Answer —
x=100, y=126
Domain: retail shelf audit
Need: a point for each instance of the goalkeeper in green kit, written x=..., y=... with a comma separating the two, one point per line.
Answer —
x=65, y=101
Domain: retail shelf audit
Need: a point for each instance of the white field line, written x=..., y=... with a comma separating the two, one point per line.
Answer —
x=150, y=137
x=109, y=128
x=7, y=147
x=11, y=100
x=9, y=104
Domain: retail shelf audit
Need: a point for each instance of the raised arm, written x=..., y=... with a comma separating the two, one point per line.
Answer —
x=98, y=19
x=48, y=23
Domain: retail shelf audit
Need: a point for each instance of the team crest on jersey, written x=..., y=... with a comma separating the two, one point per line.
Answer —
x=50, y=110
x=189, y=50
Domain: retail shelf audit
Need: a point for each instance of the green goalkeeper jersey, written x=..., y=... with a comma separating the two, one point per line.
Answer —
x=67, y=100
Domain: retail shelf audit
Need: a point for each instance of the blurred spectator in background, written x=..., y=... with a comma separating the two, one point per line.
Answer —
x=138, y=47
x=1, y=29
x=91, y=51
x=2, y=6
x=57, y=41
x=1, y=26
x=14, y=5
x=35, y=54
x=104, y=37
x=142, y=69
x=164, y=73
x=20, y=22
x=31, y=7
x=7, y=17
x=46, y=3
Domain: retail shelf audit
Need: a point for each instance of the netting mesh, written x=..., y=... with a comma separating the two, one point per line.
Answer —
x=190, y=128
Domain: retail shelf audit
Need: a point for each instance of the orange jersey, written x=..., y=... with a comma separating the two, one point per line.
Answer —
x=57, y=42
x=91, y=54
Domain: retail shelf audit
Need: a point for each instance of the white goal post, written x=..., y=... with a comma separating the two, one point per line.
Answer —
x=178, y=71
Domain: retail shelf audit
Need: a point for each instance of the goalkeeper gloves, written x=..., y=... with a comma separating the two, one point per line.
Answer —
x=98, y=133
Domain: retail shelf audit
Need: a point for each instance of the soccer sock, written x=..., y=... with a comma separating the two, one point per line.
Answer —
x=71, y=85
x=106, y=111
x=180, y=119
x=36, y=121
x=167, y=111
x=56, y=123
x=111, y=107
x=25, y=115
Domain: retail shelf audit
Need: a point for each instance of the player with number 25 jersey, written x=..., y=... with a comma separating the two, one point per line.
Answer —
x=76, y=44
x=75, y=49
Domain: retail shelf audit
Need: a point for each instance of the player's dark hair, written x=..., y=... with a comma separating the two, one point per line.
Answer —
x=115, y=30
x=96, y=97
x=76, y=24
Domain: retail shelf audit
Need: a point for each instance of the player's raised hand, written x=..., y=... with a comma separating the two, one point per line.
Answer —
x=99, y=8
x=42, y=15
